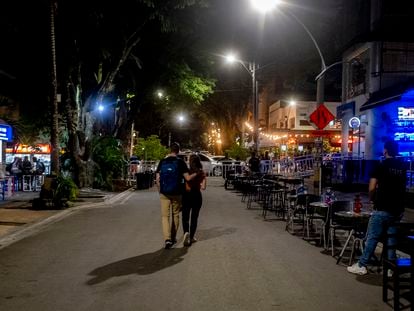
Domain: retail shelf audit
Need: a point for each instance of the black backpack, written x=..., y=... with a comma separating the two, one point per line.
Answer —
x=170, y=177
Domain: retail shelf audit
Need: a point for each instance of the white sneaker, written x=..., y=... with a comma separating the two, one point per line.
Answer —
x=356, y=269
x=193, y=240
x=187, y=241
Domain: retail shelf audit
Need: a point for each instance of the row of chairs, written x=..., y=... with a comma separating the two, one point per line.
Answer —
x=297, y=210
x=397, y=274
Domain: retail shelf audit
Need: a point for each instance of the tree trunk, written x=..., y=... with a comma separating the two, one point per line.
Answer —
x=54, y=135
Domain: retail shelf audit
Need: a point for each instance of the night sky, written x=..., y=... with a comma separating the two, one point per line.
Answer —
x=225, y=25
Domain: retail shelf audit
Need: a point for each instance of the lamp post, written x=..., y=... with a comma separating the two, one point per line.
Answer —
x=251, y=68
x=265, y=6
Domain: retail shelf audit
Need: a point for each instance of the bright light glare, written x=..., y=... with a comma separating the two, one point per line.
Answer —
x=100, y=108
x=231, y=58
x=292, y=103
x=264, y=6
x=181, y=118
x=160, y=94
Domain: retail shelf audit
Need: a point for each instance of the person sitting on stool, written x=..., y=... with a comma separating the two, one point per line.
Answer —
x=387, y=191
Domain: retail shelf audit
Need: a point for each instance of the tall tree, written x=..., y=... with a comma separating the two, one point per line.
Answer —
x=103, y=45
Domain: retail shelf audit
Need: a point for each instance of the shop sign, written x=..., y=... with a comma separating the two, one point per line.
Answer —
x=23, y=149
x=6, y=132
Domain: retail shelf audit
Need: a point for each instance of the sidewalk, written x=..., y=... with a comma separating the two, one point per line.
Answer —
x=16, y=212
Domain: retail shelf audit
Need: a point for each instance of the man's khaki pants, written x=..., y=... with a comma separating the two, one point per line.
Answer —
x=170, y=204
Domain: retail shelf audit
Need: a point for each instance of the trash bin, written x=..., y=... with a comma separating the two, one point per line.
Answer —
x=140, y=180
x=144, y=180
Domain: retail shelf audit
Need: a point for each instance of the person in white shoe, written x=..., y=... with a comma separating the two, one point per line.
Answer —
x=170, y=175
x=193, y=200
x=387, y=187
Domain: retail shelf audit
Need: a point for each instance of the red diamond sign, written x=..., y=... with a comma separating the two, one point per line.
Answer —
x=321, y=117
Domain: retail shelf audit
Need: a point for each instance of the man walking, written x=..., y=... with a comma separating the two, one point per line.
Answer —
x=170, y=175
x=387, y=187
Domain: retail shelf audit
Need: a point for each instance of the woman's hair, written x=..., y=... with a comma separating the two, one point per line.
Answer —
x=195, y=163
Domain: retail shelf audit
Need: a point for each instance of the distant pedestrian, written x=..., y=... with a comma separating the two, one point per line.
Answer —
x=16, y=170
x=265, y=166
x=27, y=166
x=387, y=188
x=254, y=163
x=38, y=166
x=193, y=200
x=170, y=175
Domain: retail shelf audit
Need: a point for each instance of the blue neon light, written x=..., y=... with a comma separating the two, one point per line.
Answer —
x=6, y=132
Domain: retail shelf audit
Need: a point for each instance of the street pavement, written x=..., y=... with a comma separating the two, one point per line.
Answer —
x=16, y=213
x=108, y=254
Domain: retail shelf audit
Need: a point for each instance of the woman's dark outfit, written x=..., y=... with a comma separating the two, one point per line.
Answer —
x=191, y=204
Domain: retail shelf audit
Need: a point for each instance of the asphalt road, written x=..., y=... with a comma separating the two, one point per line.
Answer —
x=112, y=258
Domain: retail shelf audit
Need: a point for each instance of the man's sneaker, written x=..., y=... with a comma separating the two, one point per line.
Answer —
x=193, y=240
x=168, y=244
x=187, y=240
x=356, y=269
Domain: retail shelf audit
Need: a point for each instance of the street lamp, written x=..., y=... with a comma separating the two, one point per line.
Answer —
x=181, y=119
x=265, y=6
x=251, y=68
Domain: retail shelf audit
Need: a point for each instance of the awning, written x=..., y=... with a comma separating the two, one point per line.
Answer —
x=387, y=95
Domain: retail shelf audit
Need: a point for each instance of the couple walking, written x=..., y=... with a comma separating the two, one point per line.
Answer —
x=174, y=195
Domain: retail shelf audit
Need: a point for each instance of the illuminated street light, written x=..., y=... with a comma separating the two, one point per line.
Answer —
x=181, y=119
x=264, y=6
x=101, y=108
x=231, y=58
x=251, y=68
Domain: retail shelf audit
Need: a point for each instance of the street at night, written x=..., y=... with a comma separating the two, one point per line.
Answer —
x=113, y=258
x=299, y=115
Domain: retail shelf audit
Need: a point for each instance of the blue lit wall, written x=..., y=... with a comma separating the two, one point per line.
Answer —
x=385, y=123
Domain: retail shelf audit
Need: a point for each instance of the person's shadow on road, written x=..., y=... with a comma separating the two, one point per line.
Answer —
x=151, y=262
x=214, y=232
x=142, y=264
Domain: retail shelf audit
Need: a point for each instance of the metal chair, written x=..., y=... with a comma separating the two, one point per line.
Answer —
x=402, y=241
x=310, y=214
x=337, y=223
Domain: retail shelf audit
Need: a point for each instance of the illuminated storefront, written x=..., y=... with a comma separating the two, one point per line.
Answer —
x=392, y=118
x=40, y=151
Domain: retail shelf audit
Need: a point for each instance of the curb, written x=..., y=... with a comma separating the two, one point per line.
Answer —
x=37, y=226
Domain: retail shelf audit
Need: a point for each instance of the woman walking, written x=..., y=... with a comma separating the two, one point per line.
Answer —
x=192, y=200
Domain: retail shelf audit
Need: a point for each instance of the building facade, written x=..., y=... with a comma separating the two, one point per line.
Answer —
x=378, y=77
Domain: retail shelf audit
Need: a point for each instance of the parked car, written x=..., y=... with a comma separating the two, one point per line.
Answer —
x=211, y=166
